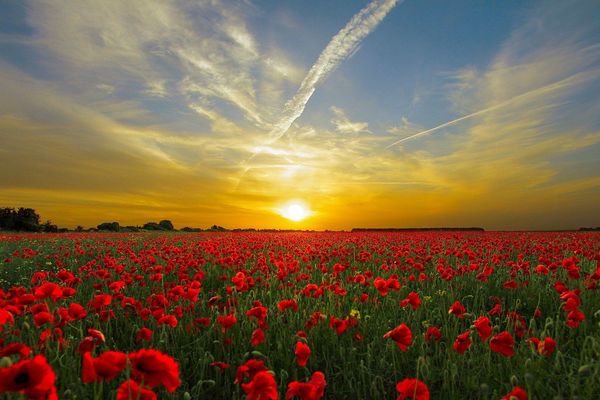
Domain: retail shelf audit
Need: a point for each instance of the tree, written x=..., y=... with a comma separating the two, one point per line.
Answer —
x=109, y=226
x=166, y=225
x=8, y=217
x=48, y=226
x=27, y=220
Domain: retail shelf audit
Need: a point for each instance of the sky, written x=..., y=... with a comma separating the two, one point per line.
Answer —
x=378, y=113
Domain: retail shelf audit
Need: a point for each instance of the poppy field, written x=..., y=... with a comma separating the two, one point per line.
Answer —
x=331, y=315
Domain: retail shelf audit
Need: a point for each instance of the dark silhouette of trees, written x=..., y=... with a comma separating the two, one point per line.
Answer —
x=109, y=226
x=167, y=225
x=23, y=219
x=48, y=226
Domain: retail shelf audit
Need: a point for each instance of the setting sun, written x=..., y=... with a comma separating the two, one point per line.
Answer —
x=294, y=211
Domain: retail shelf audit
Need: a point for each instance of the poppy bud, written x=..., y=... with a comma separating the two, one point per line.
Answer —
x=5, y=362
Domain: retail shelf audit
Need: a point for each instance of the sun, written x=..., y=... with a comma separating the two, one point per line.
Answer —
x=295, y=211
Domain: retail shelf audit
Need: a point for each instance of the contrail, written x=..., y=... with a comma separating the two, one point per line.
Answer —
x=340, y=47
x=573, y=79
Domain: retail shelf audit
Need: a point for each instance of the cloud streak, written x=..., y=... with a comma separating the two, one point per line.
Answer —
x=341, y=46
x=563, y=83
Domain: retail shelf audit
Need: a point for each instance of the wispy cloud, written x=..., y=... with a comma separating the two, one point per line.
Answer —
x=343, y=124
x=340, y=47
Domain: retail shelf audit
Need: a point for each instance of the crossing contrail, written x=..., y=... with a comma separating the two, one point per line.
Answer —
x=340, y=47
x=573, y=79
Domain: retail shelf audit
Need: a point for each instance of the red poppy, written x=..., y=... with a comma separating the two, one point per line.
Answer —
x=284, y=305
x=155, y=368
x=249, y=369
x=106, y=366
x=413, y=300
x=302, y=353
x=402, y=335
x=544, y=347
x=311, y=390
x=412, y=389
x=433, y=333
x=462, y=342
x=76, y=311
x=144, y=334
x=261, y=387
x=484, y=328
x=516, y=394
x=131, y=390
x=258, y=336
x=574, y=318
x=15, y=348
x=221, y=365
x=226, y=321
x=457, y=309
x=503, y=343
x=34, y=378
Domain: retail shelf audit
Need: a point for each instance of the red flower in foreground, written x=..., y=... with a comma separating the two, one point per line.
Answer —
x=402, y=335
x=516, y=394
x=106, y=366
x=462, y=342
x=130, y=390
x=258, y=336
x=544, y=347
x=311, y=390
x=412, y=389
x=433, y=333
x=287, y=304
x=249, y=369
x=144, y=334
x=574, y=318
x=457, y=309
x=484, y=328
x=413, y=300
x=155, y=368
x=34, y=378
x=261, y=387
x=226, y=321
x=503, y=343
x=302, y=353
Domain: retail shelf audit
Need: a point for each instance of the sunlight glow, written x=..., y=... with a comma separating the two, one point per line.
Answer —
x=294, y=211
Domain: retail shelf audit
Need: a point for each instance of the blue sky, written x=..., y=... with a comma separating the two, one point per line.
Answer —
x=225, y=112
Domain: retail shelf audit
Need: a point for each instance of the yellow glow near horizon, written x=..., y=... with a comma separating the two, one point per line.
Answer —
x=294, y=211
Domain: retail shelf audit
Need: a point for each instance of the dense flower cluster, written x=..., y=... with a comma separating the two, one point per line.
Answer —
x=298, y=316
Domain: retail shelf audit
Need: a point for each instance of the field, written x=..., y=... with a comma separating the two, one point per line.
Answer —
x=446, y=315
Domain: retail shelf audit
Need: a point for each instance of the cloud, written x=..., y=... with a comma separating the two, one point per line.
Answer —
x=343, y=124
x=340, y=47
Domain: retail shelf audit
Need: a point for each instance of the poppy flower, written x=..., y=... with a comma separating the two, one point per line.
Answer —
x=249, y=369
x=226, y=321
x=221, y=365
x=15, y=348
x=311, y=390
x=544, y=347
x=412, y=389
x=574, y=318
x=503, y=343
x=402, y=335
x=258, y=336
x=462, y=342
x=34, y=378
x=433, y=333
x=516, y=394
x=76, y=311
x=131, y=390
x=261, y=387
x=457, y=309
x=155, y=368
x=284, y=305
x=144, y=334
x=302, y=353
x=483, y=327
x=106, y=366
x=413, y=300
